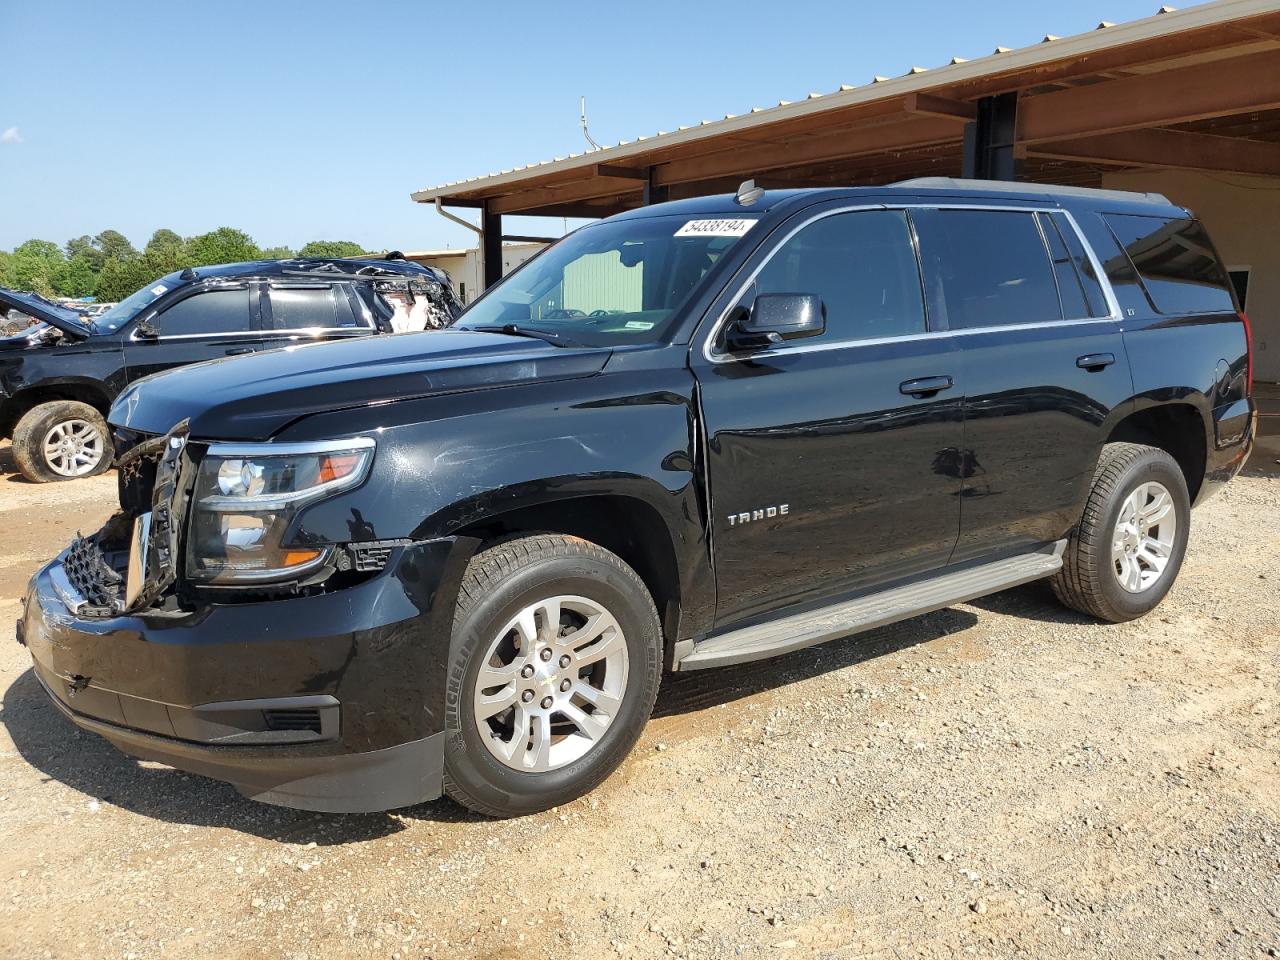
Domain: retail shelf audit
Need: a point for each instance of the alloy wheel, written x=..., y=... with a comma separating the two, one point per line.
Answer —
x=1143, y=540
x=551, y=683
x=73, y=448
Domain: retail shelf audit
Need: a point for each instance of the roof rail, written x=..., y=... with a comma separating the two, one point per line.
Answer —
x=1036, y=189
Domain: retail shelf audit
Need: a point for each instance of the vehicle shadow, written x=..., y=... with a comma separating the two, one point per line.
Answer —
x=8, y=465
x=87, y=763
x=700, y=689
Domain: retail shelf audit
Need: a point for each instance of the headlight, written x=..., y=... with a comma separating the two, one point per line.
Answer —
x=247, y=496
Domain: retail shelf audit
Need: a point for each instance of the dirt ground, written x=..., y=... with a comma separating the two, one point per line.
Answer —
x=1002, y=778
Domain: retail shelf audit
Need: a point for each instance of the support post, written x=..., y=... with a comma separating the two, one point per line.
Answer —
x=989, y=140
x=490, y=246
x=653, y=192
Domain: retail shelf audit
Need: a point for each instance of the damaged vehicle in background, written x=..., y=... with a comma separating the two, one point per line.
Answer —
x=59, y=378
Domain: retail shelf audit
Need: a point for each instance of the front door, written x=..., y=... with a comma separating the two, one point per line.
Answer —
x=209, y=324
x=828, y=472
x=304, y=311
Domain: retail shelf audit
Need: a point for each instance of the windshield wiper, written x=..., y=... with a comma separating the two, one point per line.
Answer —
x=511, y=330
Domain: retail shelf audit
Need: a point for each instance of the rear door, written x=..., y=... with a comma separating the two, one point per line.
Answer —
x=827, y=473
x=1042, y=362
x=306, y=311
x=208, y=323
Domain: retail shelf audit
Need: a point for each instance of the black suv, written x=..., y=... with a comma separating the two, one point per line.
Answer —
x=353, y=576
x=58, y=380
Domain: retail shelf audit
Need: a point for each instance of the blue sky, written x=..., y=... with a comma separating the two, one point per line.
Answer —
x=301, y=121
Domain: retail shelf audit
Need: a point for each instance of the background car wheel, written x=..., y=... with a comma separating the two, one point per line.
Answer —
x=554, y=666
x=1126, y=552
x=62, y=440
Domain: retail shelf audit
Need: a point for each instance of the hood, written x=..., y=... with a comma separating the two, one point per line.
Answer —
x=253, y=397
x=34, y=305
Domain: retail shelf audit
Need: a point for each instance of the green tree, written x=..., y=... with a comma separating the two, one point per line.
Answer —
x=6, y=269
x=331, y=248
x=119, y=278
x=34, y=265
x=83, y=246
x=74, y=277
x=277, y=253
x=163, y=240
x=224, y=245
x=114, y=245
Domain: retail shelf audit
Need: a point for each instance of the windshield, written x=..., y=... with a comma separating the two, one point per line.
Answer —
x=610, y=283
x=131, y=306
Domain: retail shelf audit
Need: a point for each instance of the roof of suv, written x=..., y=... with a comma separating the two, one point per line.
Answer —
x=1116, y=201
x=321, y=267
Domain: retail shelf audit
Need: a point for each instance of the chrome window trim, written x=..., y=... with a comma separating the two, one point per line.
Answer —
x=1113, y=304
x=301, y=334
x=237, y=335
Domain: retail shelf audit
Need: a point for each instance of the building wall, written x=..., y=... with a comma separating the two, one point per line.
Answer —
x=1241, y=213
x=464, y=270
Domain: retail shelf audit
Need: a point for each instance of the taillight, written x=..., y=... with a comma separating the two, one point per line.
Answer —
x=1248, y=350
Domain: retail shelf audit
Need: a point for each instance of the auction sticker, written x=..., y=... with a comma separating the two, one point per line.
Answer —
x=715, y=228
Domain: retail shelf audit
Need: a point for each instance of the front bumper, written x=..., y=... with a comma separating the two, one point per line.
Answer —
x=330, y=702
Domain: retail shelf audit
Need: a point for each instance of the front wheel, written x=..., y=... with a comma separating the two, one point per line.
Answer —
x=61, y=440
x=554, y=666
x=1126, y=552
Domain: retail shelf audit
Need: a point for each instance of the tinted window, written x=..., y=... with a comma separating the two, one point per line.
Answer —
x=864, y=268
x=217, y=311
x=1087, y=276
x=986, y=268
x=1176, y=263
x=1070, y=292
x=300, y=308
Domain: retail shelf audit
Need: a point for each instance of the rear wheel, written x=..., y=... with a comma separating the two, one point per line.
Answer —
x=554, y=667
x=61, y=440
x=1126, y=552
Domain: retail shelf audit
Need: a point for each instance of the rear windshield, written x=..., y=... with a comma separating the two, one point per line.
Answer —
x=1176, y=262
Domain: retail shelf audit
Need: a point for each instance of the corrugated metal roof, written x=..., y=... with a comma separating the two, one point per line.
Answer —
x=1166, y=21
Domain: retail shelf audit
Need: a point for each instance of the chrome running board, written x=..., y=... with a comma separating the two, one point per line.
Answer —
x=843, y=619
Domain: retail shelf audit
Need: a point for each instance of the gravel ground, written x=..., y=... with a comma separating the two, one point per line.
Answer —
x=1001, y=778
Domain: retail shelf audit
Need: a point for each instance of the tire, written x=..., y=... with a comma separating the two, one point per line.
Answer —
x=491, y=766
x=1101, y=558
x=80, y=423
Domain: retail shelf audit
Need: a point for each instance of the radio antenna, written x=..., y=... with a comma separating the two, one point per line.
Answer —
x=582, y=110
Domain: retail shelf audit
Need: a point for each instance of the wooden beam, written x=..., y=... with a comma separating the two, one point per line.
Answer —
x=568, y=193
x=1171, y=96
x=929, y=105
x=623, y=173
x=1174, y=149
x=905, y=134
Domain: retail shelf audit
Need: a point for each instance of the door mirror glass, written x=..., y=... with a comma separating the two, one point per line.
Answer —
x=776, y=317
x=147, y=329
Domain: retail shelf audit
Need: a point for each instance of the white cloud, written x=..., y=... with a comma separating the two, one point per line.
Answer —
x=10, y=135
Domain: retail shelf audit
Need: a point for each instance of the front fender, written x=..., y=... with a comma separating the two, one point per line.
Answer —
x=446, y=464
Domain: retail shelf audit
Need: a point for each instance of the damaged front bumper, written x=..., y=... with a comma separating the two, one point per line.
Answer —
x=331, y=701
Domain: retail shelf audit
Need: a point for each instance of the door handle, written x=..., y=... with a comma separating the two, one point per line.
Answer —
x=924, y=386
x=236, y=351
x=1093, y=362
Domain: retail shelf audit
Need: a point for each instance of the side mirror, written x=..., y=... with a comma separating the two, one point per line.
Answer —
x=147, y=328
x=775, y=317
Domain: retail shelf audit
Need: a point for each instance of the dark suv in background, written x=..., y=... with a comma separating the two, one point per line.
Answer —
x=58, y=380
x=353, y=576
